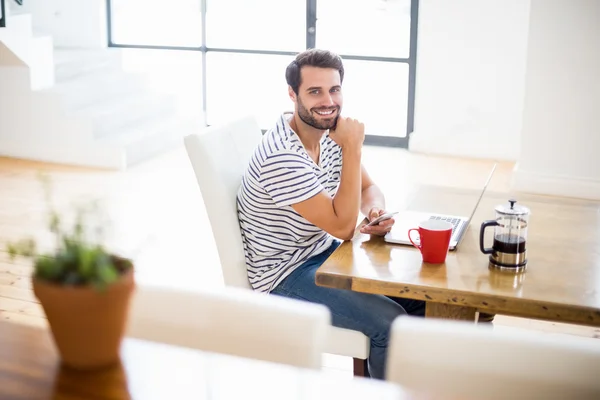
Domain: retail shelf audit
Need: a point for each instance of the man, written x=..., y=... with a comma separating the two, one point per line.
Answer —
x=303, y=188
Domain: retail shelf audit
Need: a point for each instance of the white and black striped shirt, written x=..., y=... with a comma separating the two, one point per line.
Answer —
x=276, y=238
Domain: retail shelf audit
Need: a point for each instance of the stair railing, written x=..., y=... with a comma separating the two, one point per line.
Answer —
x=2, y=15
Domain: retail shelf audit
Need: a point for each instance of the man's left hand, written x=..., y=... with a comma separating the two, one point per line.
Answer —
x=380, y=229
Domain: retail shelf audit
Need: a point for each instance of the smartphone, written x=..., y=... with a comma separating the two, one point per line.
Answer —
x=383, y=217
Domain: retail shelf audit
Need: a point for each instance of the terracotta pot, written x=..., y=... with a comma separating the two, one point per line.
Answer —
x=87, y=324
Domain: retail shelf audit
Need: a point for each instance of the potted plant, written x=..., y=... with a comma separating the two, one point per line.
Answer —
x=83, y=288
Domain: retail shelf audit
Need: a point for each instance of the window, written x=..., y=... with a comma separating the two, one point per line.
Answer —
x=245, y=46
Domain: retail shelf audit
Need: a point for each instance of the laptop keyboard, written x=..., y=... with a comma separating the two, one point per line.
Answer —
x=453, y=221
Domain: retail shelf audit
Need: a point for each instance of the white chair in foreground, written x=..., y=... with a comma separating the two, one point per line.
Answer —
x=219, y=156
x=232, y=321
x=456, y=359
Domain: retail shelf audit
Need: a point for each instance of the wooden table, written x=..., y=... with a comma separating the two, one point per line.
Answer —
x=561, y=283
x=29, y=369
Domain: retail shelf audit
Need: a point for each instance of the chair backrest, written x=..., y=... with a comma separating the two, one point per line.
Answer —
x=232, y=321
x=219, y=156
x=463, y=360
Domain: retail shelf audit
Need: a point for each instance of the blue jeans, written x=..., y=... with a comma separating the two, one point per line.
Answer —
x=370, y=314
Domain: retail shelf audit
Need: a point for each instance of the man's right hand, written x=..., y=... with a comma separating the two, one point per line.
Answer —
x=349, y=133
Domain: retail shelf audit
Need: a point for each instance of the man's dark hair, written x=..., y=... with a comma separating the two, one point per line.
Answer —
x=314, y=58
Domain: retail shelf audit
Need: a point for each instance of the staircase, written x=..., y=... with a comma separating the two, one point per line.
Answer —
x=80, y=107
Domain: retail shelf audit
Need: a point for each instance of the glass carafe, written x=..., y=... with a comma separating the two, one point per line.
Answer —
x=509, y=250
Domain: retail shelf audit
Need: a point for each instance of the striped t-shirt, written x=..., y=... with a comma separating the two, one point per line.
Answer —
x=276, y=238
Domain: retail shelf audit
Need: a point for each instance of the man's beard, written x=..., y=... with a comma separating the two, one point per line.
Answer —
x=324, y=124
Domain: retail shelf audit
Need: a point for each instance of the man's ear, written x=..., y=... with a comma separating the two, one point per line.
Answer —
x=292, y=94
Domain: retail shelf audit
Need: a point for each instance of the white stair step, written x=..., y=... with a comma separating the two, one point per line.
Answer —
x=144, y=141
x=82, y=92
x=19, y=24
x=74, y=63
x=73, y=55
x=36, y=53
x=134, y=110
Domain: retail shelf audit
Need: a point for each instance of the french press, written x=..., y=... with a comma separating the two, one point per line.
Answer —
x=508, y=251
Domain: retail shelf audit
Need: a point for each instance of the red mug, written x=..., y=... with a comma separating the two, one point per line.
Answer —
x=435, y=240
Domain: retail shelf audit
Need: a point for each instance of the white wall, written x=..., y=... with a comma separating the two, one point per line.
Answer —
x=561, y=123
x=471, y=60
x=71, y=23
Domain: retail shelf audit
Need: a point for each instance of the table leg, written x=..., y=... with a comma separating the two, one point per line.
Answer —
x=449, y=311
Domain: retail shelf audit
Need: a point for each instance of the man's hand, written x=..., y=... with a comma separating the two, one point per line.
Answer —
x=349, y=133
x=380, y=229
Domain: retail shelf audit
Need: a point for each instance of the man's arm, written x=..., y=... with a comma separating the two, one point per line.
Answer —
x=338, y=215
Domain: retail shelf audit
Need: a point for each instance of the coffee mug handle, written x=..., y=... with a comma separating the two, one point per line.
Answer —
x=410, y=238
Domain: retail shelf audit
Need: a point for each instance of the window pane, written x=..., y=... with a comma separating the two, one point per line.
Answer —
x=256, y=24
x=365, y=28
x=376, y=93
x=157, y=23
x=176, y=75
x=241, y=84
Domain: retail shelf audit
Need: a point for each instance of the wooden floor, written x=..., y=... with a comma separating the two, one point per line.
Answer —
x=158, y=218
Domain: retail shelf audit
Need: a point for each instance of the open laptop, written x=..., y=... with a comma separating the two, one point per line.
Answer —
x=411, y=219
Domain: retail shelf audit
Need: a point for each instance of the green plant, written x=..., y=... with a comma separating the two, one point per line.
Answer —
x=78, y=257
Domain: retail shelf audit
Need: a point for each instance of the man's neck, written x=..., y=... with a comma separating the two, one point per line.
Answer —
x=309, y=136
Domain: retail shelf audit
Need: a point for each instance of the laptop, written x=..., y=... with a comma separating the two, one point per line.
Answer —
x=411, y=219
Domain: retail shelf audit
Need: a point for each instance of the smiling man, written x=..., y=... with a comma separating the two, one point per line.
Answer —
x=302, y=192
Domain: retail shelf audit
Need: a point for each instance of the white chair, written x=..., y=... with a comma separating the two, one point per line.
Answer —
x=232, y=321
x=455, y=359
x=219, y=156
